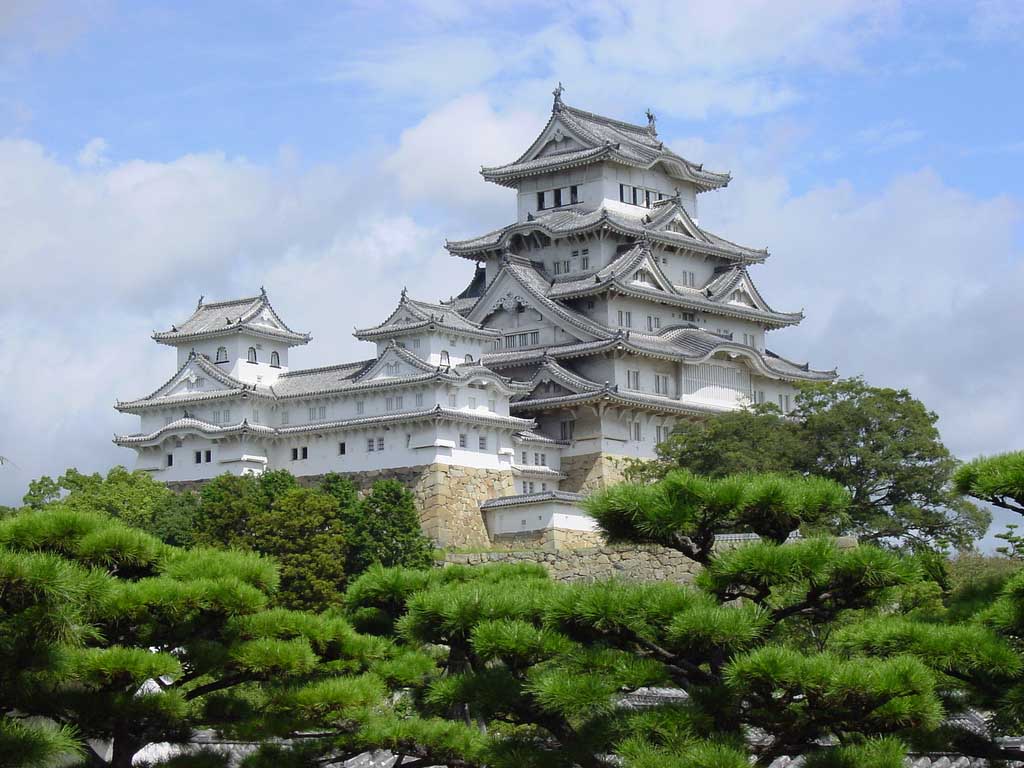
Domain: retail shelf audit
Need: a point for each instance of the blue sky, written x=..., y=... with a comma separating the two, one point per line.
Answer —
x=151, y=152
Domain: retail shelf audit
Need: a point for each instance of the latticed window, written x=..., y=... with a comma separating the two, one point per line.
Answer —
x=222, y=354
x=275, y=359
x=252, y=355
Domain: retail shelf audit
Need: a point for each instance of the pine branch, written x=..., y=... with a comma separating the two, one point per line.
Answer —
x=217, y=685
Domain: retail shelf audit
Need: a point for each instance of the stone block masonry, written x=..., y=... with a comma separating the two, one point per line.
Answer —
x=591, y=472
x=629, y=562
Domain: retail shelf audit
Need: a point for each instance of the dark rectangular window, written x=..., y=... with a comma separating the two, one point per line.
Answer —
x=341, y=449
x=199, y=457
x=647, y=197
x=305, y=452
x=622, y=193
x=170, y=459
x=295, y=454
x=574, y=194
x=636, y=192
x=209, y=456
x=540, y=201
x=558, y=198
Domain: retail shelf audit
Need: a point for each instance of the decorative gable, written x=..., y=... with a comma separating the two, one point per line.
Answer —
x=396, y=362
x=196, y=376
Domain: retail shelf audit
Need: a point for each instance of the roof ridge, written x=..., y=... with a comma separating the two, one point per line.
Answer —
x=614, y=121
x=228, y=302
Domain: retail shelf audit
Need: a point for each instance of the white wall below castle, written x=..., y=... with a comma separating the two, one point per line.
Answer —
x=402, y=447
x=538, y=516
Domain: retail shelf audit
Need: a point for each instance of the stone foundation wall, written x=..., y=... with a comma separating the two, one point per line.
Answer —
x=551, y=539
x=447, y=497
x=633, y=563
x=591, y=472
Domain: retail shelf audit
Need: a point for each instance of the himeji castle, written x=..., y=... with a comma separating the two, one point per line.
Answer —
x=602, y=317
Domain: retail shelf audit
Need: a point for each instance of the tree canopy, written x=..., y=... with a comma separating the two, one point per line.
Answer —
x=881, y=444
x=321, y=536
x=111, y=635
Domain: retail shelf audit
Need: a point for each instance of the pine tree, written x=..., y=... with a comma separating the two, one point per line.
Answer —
x=108, y=634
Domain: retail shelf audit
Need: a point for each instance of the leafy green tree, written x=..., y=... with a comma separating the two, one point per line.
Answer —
x=134, y=497
x=882, y=445
x=303, y=529
x=305, y=533
x=112, y=637
x=385, y=528
x=754, y=439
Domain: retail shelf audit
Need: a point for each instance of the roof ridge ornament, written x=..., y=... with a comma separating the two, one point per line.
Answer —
x=200, y=302
x=263, y=292
x=651, y=122
x=557, y=93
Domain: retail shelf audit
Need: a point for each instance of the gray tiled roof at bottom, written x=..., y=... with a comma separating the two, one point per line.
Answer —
x=531, y=498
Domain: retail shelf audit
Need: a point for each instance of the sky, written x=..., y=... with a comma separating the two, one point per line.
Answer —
x=154, y=152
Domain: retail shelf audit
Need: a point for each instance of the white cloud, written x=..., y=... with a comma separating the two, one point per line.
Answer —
x=94, y=153
x=695, y=58
x=997, y=20
x=913, y=286
x=96, y=258
x=889, y=135
x=438, y=160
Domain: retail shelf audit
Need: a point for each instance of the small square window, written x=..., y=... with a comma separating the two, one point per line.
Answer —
x=305, y=452
x=295, y=454
x=483, y=442
x=380, y=443
x=341, y=448
x=370, y=444
x=170, y=459
x=462, y=441
x=199, y=457
x=209, y=456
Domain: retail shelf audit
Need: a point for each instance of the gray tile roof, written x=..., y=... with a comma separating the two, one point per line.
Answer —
x=232, y=387
x=413, y=315
x=531, y=498
x=653, y=224
x=713, y=298
x=604, y=138
x=192, y=424
x=330, y=379
x=220, y=318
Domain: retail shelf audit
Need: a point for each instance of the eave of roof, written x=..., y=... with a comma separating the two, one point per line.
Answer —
x=531, y=498
x=570, y=221
x=210, y=327
x=244, y=427
x=612, y=395
x=426, y=314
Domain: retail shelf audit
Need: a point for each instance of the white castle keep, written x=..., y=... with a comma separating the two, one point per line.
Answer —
x=593, y=324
